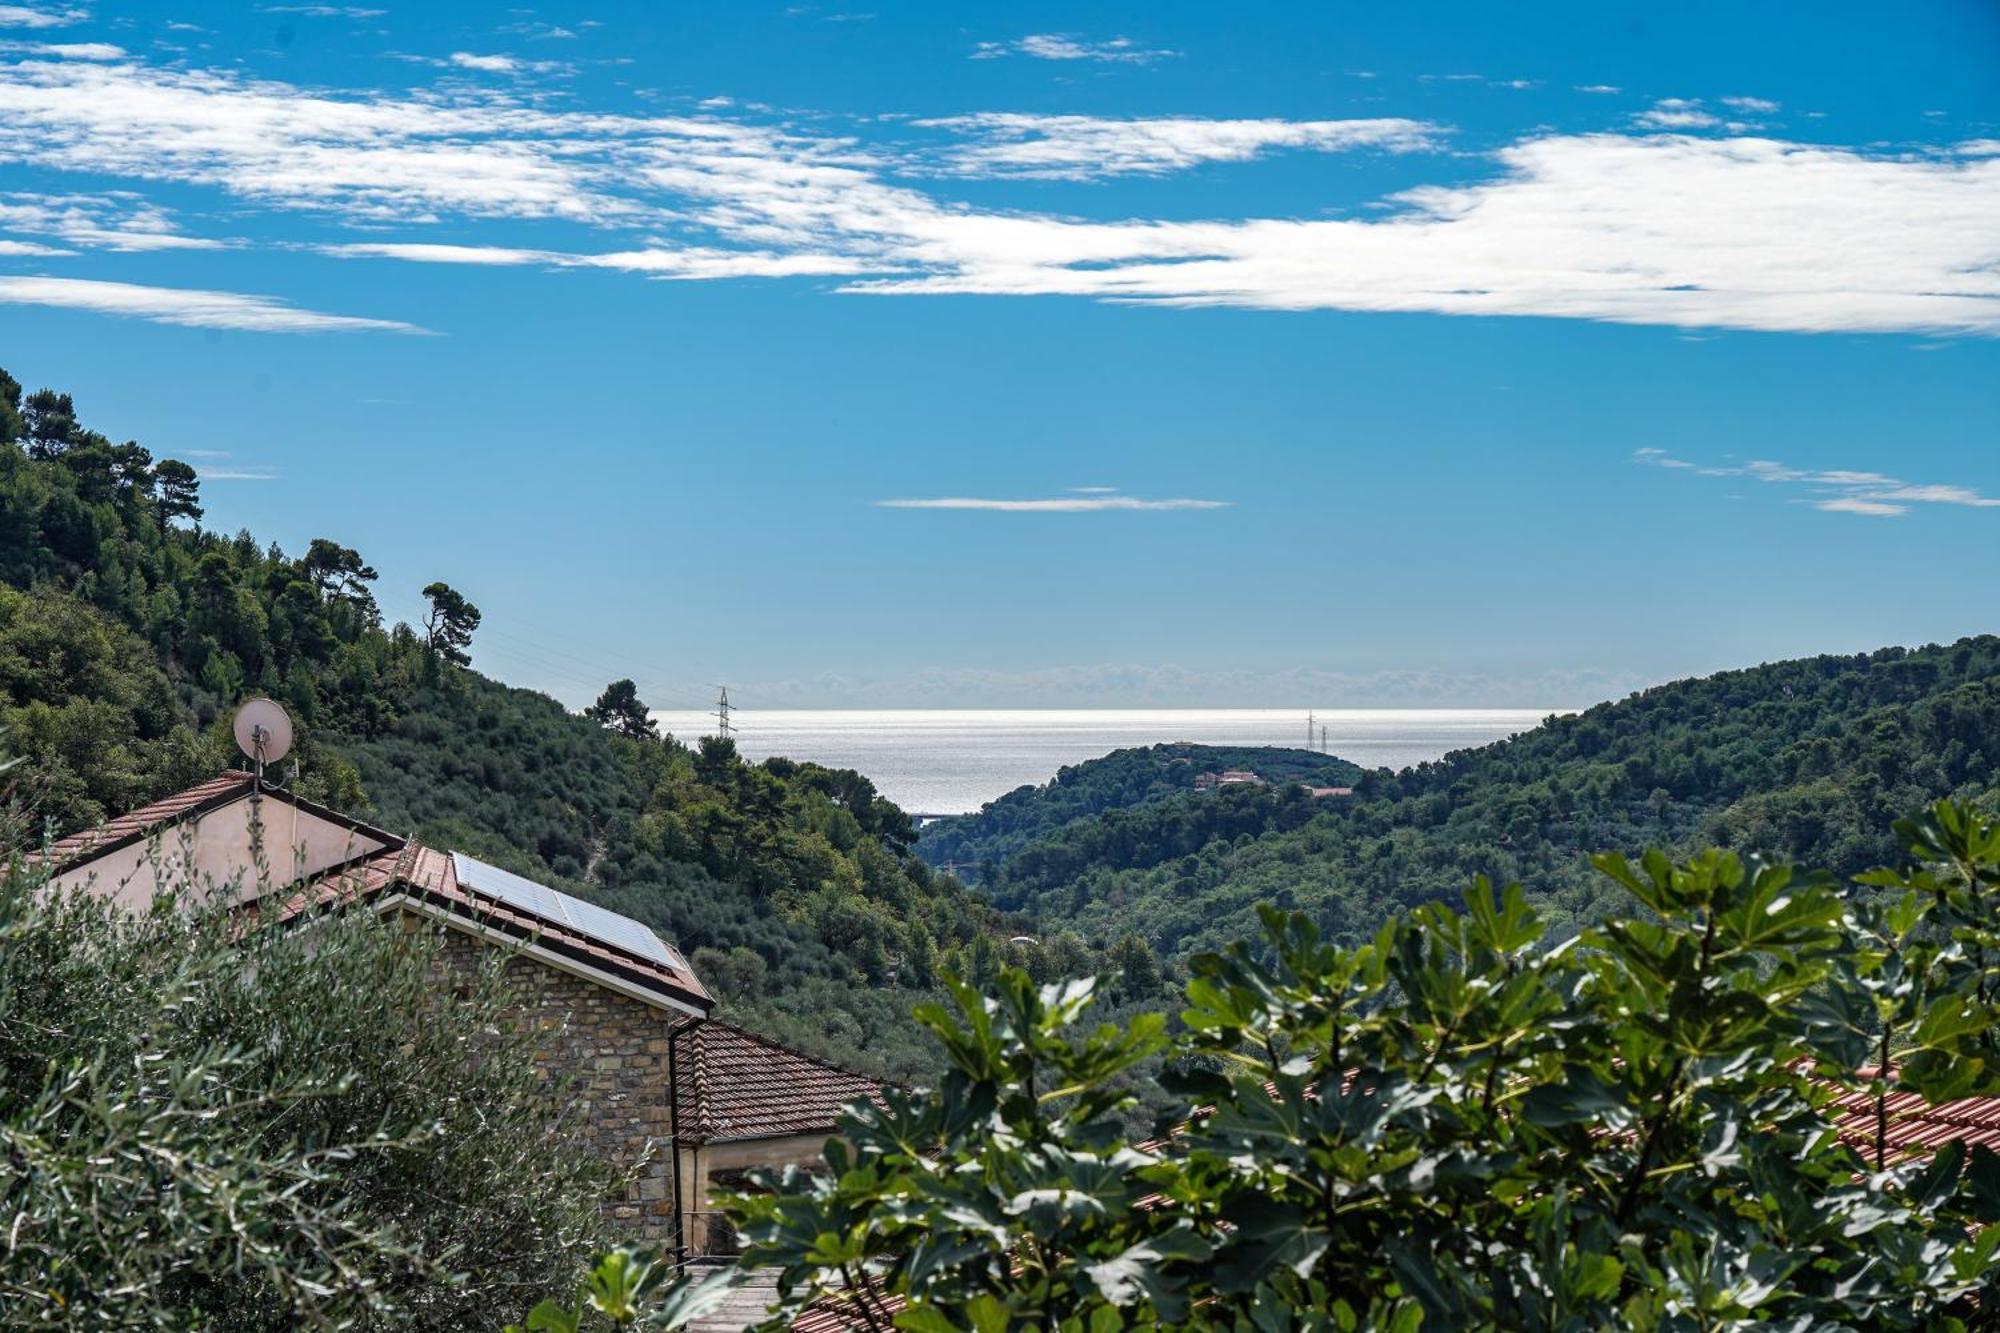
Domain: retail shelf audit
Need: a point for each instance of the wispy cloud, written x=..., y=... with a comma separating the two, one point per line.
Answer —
x=1676, y=113
x=235, y=473
x=1062, y=46
x=325, y=11
x=659, y=262
x=26, y=16
x=492, y=63
x=1082, y=147
x=1600, y=89
x=1682, y=113
x=1080, y=500
x=116, y=221
x=1639, y=228
x=185, y=306
x=65, y=50
x=1836, y=491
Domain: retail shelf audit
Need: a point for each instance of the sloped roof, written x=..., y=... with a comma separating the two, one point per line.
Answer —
x=404, y=865
x=1917, y=1128
x=429, y=875
x=218, y=791
x=734, y=1084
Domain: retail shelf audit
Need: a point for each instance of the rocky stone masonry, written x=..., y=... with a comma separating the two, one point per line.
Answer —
x=611, y=1051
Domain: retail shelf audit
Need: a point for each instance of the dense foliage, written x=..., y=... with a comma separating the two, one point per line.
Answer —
x=1808, y=758
x=211, y=1127
x=1456, y=1125
x=975, y=844
x=127, y=632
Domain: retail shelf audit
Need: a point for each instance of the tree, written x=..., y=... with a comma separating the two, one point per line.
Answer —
x=180, y=491
x=209, y=1124
x=11, y=425
x=620, y=709
x=339, y=574
x=449, y=626
x=1681, y=1119
x=50, y=418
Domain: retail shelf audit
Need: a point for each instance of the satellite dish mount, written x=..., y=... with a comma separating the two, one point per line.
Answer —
x=263, y=732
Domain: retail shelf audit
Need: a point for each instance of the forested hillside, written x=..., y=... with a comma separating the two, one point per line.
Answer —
x=975, y=844
x=1809, y=760
x=128, y=632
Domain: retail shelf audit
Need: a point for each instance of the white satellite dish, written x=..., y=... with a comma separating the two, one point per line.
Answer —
x=263, y=731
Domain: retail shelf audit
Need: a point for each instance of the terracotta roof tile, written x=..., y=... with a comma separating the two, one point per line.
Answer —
x=424, y=871
x=430, y=874
x=135, y=824
x=736, y=1085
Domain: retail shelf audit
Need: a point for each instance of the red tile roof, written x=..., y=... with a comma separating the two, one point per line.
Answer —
x=736, y=1085
x=1917, y=1128
x=220, y=790
x=428, y=874
x=408, y=865
x=136, y=824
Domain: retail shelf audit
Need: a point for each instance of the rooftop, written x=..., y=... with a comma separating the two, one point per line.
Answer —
x=737, y=1085
x=450, y=886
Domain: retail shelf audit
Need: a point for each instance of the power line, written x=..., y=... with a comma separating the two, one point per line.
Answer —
x=722, y=713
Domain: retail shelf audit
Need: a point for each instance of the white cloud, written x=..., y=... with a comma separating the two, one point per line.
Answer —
x=1059, y=46
x=492, y=64
x=683, y=262
x=1066, y=504
x=1676, y=113
x=1601, y=89
x=1838, y=490
x=325, y=11
x=235, y=473
x=115, y=221
x=1757, y=106
x=1743, y=232
x=65, y=50
x=31, y=248
x=24, y=16
x=1080, y=147
x=1848, y=504
x=185, y=306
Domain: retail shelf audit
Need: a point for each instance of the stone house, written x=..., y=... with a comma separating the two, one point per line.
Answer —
x=623, y=1019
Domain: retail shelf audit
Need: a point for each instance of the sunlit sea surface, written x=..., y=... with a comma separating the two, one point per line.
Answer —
x=949, y=761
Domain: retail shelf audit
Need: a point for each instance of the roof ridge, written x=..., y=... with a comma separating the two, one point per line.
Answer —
x=704, y=1120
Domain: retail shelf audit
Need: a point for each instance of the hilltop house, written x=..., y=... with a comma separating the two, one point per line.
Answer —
x=683, y=1102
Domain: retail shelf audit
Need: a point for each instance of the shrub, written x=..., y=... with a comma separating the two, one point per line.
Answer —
x=217, y=1125
x=1457, y=1125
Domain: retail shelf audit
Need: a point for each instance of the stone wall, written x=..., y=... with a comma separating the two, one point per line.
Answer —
x=608, y=1054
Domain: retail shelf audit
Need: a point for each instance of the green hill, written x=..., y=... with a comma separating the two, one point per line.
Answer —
x=127, y=632
x=1124, y=779
x=1808, y=759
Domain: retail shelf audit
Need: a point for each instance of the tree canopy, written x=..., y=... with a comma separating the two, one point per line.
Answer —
x=621, y=709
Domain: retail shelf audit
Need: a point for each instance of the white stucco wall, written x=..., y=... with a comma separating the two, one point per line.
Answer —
x=214, y=849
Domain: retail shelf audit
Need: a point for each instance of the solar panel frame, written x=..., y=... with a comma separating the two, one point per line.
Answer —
x=562, y=909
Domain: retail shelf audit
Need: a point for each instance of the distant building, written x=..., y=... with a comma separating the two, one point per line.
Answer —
x=1321, y=793
x=1207, y=781
x=1241, y=777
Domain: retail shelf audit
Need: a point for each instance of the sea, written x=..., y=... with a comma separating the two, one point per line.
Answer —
x=952, y=761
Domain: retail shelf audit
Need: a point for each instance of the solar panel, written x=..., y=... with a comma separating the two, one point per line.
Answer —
x=560, y=909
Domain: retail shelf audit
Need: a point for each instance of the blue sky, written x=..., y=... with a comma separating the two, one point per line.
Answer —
x=917, y=354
